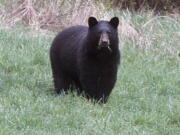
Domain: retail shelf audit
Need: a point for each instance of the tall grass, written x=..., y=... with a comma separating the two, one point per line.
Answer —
x=156, y=5
x=50, y=14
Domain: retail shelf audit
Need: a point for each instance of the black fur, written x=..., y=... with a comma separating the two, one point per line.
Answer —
x=77, y=61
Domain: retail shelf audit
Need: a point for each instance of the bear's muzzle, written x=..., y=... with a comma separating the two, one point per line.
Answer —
x=104, y=41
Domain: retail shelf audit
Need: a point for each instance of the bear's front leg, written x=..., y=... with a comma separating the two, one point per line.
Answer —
x=98, y=87
x=105, y=85
x=89, y=81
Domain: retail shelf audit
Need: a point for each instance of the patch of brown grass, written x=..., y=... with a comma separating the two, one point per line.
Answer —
x=50, y=14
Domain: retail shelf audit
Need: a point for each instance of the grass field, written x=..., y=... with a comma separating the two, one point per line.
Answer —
x=145, y=100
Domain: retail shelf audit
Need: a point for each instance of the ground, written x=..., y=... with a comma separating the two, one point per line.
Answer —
x=145, y=100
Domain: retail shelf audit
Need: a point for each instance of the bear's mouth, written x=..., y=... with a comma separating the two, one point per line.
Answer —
x=104, y=47
x=104, y=44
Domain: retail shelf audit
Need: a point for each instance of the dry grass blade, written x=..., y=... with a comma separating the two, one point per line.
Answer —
x=128, y=30
x=26, y=12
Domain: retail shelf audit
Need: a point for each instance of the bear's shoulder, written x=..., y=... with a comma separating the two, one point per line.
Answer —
x=75, y=29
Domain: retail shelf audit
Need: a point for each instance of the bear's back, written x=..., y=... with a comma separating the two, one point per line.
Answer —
x=69, y=39
x=65, y=47
x=71, y=35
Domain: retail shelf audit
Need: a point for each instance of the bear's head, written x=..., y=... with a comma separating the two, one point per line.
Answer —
x=103, y=34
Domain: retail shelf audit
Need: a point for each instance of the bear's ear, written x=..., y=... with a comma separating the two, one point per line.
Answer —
x=92, y=21
x=114, y=22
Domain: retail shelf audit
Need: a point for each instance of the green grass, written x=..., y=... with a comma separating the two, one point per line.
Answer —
x=145, y=101
x=2, y=1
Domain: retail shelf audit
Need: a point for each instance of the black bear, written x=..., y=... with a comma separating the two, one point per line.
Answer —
x=87, y=58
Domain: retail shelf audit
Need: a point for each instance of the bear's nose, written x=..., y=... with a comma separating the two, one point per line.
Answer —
x=105, y=43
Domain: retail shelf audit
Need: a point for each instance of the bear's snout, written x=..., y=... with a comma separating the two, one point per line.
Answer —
x=104, y=40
